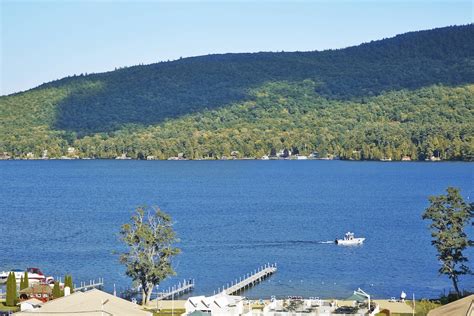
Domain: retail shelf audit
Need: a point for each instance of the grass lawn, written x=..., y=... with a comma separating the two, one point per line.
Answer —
x=5, y=308
x=423, y=307
x=168, y=312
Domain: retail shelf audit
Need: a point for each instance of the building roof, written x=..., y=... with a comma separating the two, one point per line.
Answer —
x=32, y=301
x=356, y=297
x=199, y=302
x=223, y=299
x=37, y=288
x=89, y=303
x=462, y=307
x=219, y=301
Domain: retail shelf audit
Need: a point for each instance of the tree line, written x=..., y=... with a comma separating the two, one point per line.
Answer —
x=432, y=121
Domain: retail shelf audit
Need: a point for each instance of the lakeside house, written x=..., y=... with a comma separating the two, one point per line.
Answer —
x=4, y=156
x=123, y=157
x=42, y=292
x=434, y=158
x=92, y=302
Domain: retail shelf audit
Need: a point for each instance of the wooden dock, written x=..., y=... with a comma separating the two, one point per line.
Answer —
x=177, y=290
x=93, y=284
x=249, y=280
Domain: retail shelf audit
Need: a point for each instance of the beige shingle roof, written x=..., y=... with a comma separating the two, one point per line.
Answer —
x=88, y=303
x=462, y=307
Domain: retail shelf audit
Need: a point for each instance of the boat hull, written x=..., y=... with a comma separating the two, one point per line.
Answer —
x=351, y=242
x=32, y=277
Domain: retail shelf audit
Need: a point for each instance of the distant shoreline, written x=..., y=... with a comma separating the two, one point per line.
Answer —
x=237, y=159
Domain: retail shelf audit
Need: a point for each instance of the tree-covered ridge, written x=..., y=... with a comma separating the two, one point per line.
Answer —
x=431, y=121
x=411, y=95
x=435, y=120
x=153, y=93
x=27, y=119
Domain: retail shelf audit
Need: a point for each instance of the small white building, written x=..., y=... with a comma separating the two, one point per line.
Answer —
x=219, y=304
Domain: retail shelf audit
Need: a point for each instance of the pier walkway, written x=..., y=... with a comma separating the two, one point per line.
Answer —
x=84, y=286
x=250, y=279
x=176, y=290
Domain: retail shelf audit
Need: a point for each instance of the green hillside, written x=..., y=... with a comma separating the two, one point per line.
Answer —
x=411, y=95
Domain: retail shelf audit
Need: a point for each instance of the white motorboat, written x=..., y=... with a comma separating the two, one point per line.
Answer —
x=349, y=240
x=4, y=275
x=34, y=276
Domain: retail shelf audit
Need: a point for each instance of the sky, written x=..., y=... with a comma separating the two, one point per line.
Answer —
x=45, y=40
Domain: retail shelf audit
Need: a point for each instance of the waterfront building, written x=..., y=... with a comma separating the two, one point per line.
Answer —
x=42, y=292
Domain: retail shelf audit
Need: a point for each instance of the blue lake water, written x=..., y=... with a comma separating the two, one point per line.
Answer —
x=231, y=217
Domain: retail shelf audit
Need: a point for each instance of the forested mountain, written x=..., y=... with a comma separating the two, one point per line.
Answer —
x=410, y=95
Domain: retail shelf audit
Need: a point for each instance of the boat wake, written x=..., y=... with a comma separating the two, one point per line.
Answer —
x=267, y=244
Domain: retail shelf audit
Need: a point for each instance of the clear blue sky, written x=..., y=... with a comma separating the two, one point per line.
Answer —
x=46, y=40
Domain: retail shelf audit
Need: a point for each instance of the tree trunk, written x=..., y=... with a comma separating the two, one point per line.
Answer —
x=455, y=284
x=149, y=295
x=146, y=294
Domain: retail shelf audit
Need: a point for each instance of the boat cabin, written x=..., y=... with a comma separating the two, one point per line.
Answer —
x=34, y=270
x=349, y=236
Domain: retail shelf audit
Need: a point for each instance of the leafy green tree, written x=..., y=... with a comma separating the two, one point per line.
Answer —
x=449, y=215
x=150, y=239
x=11, y=290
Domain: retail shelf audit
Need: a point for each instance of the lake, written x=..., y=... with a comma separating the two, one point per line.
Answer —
x=233, y=216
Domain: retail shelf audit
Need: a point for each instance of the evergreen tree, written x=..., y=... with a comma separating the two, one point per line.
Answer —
x=56, y=290
x=68, y=282
x=24, y=281
x=11, y=290
x=8, y=289
x=449, y=215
